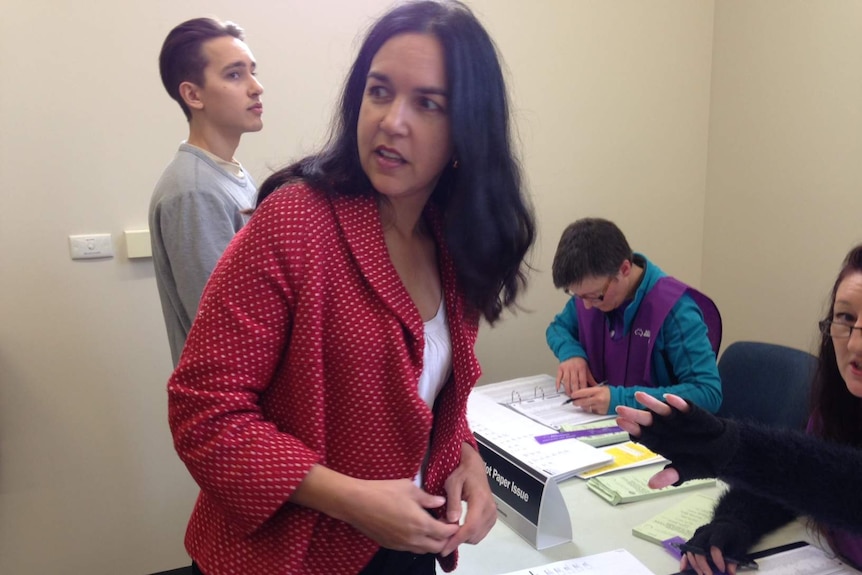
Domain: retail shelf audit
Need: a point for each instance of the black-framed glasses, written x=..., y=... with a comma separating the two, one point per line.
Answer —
x=837, y=329
x=592, y=298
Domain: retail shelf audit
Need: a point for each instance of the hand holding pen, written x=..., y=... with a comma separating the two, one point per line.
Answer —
x=595, y=399
x=708, y=560
x=573, y=374
x=571, y=399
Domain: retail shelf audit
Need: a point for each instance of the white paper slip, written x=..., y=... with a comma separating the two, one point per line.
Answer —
x=798, y=558
x=616, y=562
x=806, y=560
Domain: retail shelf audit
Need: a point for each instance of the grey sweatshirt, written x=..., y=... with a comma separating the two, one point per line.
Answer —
x=195, y=211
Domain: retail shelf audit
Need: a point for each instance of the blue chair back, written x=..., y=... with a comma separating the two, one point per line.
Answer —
x=766, y=383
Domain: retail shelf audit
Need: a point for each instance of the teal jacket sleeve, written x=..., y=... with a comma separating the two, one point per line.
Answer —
x=682, y=346
x=562, y=334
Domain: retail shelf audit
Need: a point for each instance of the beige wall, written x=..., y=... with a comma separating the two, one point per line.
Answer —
x=785, y=142
x=612, y=106
x=716, y=171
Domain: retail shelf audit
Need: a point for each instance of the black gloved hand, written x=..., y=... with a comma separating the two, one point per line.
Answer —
x=697, y=443
x=731, y=536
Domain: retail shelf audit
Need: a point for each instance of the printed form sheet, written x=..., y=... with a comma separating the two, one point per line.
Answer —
x=808, y=560
x=617, y=562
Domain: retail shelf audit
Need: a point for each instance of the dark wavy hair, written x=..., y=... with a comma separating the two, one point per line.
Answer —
x=182, y=57
x=487, y=222
x=838, y=412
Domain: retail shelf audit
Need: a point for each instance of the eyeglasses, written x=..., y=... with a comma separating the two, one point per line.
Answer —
x=592, y=298
x=837, y=329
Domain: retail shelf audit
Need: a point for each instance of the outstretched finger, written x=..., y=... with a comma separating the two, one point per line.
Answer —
x=677, y=402
x=650, y=402
x=629, y=426
x=663, y=478
x=638, y=416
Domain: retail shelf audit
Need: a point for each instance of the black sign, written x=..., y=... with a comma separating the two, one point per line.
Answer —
x=511, y=484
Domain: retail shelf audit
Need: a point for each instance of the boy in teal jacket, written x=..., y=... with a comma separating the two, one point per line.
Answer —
x=629, y=326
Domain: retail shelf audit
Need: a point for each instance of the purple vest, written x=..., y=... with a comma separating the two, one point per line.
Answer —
x=627, y=361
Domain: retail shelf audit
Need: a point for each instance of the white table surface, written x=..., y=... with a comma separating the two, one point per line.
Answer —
x=597, y=526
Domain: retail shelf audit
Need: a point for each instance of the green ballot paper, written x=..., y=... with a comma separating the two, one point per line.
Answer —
x=629, y=486
x=680, y=520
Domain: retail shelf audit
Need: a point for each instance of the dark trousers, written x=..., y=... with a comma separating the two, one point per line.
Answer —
x=388, y=562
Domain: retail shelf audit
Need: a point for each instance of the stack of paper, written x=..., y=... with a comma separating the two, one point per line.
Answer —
x=632, y=486
x=515, y=435
x=624, y=456
x=681, y=520
x=596, y=433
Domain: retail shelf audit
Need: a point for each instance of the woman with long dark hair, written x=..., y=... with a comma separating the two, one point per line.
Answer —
x=320, y=401
x=775, y=475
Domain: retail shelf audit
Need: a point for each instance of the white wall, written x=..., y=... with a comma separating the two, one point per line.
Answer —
x=613, y=107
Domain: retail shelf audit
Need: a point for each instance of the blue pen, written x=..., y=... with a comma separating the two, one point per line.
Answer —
x=570, y=400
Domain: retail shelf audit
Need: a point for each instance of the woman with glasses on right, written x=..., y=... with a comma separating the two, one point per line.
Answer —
x=775, y=475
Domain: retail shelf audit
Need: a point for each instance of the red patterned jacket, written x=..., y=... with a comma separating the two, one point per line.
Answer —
x=307, y=349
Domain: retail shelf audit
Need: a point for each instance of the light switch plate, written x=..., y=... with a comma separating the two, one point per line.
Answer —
x=90, y=246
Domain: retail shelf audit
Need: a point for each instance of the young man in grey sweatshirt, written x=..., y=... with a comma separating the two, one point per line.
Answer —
x=204, y=195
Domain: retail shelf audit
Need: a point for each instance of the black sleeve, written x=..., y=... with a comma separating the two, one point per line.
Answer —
x=809, y=475
x=741, y=518
x=812, y=476
x=697, y=443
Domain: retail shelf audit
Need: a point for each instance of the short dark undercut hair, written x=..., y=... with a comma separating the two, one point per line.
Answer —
x=182, y=58
x=589, y=247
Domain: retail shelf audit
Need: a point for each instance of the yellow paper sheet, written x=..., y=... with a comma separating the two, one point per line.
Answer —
x=626, y=455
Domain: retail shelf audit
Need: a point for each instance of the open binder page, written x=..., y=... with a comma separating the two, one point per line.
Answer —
x=516, y=435
x=551, y=411
x=537, y=398
x=516, y=389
